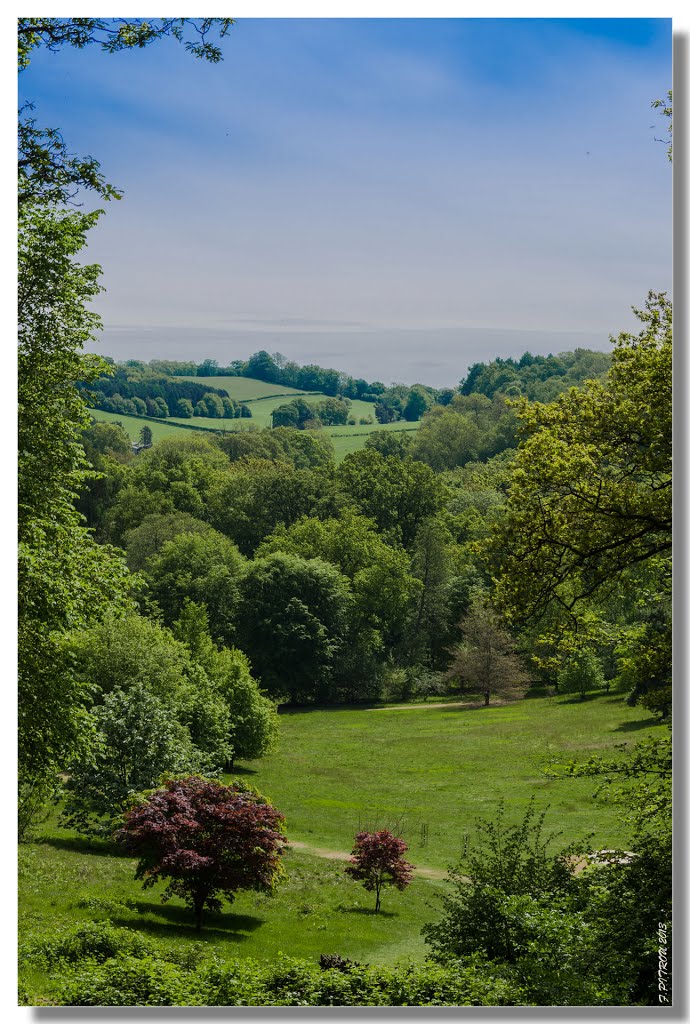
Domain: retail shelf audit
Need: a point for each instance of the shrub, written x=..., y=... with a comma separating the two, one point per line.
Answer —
x=129, y=981
x=507, y=861
x=94, y=941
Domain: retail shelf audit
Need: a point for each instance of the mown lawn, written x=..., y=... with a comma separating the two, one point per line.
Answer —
x=337, y=770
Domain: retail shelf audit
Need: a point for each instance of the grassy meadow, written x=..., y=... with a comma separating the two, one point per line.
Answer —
x=443, y=768
x=335, y=771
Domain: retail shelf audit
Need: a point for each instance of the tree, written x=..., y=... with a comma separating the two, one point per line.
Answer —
x=446, y=439
x=431, y=565
x=184, y=408
x=398, y=494
x=252, y=727
x=137, y=739
x=303, y=449
x=581, y=672
x=486, y=659
x=108, y=449
x=377, y=861
x=145, y=436
x=591, y=493
x=66, y=580
x=390, y=442
x=147, y=539
x=204, y=567
x=247, y=503
x=127, y=649
x=418, y=401
x=382, y=586
x=297, y=413
x=253, y=717
x=206, y=840
x=292, y=623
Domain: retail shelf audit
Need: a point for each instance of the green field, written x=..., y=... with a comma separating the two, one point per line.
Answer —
x=351, y=439
x=245, y=389
x=345, y=439
x=337, y=771
x=443, y=767
x=133, y=424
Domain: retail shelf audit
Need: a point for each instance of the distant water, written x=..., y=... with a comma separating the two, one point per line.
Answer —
x=439, y=357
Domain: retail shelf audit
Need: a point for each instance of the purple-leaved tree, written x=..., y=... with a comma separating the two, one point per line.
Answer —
x=377, y=860
x=207, y=840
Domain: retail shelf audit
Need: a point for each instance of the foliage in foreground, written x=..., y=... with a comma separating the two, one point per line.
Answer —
x=565, y=938
x=101, y=965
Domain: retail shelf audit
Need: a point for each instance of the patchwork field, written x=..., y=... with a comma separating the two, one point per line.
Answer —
x=245, y=389
x=337, y=771
x=133, y=424
x=347, y=438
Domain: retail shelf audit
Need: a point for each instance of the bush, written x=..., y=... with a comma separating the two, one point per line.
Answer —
x=106, y=966
x=98, y=942
x=130, y=981
x=507, y=861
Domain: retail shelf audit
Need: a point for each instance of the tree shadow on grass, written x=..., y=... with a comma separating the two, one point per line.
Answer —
x=367, y=911
x=84, y=844
x=305, y=709
x=590, y=696
x=180, y=919
x=644, y=723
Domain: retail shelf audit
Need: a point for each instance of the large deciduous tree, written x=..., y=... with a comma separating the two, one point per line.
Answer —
x=137, y=739
x=292, y=623
x=202, y=567
x=590, y=497
x=398, y=494
x=66, y=581
x=206, y=840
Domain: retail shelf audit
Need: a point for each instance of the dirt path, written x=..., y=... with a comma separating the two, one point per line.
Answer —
x=341, y=855
x=427, y=707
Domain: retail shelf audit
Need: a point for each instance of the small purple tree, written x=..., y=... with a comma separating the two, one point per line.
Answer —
x=206, y=839
x=377, y=861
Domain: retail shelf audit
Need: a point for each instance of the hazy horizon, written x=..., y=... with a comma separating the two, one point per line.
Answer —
x=439, y=358
x=343, y=190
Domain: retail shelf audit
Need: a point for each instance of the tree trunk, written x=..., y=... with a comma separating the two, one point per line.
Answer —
x=199, y=911
x=378, y=899
x=487, y=694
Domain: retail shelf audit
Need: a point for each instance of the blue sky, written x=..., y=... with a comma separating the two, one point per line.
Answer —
x=397, y=198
